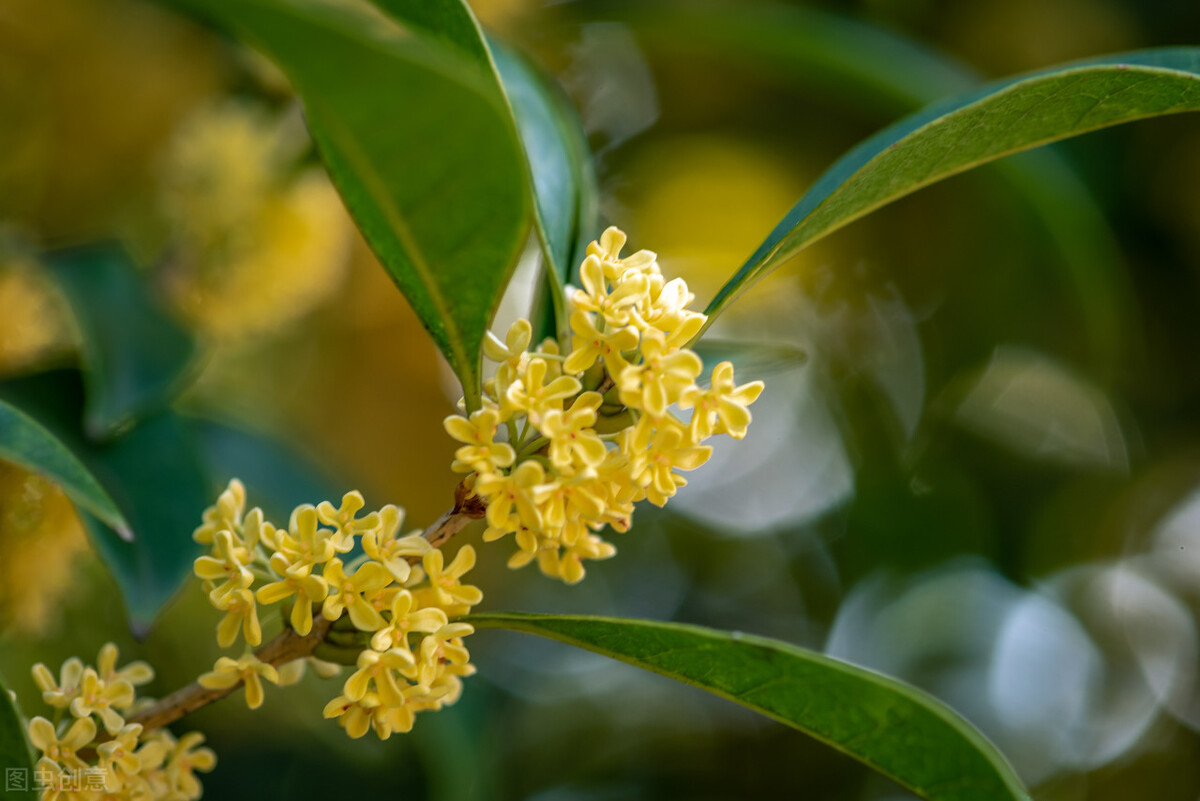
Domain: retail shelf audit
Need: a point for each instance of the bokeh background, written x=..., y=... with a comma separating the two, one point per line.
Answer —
x=984, y=479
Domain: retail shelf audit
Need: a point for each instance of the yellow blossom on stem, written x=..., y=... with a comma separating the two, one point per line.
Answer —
x=608, y=251
x=616, y=307
x=589, y=343
x=225, y=514
x=136, y=673
x=391, y=551
x=184, y=760
x=658, y=452
x=227, y=569
x=59, y=694
x=720, y=409
x=480, y=453
x=342, y=519
x=573, y=443
x=241, y=612
x=227, y=673
x=353, y=716
x=381, y=669
x=308, y=590
x=407, y=617
x=531, y=395
x=442, y=651
x=511, y=499
x=660, y=379
x=304, y=544
x=444, y=579
x=97, y=697
x=59, y=754
x=353, y=593
x=119, y=758
x=508, y=353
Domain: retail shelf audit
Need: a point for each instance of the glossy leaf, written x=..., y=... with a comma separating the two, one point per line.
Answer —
x=16, y=754
x=891, y=727
x=25, y=442
x=954, y=136
x=135, y=356
x=562, y=173
x=417, y=135
x=878, y=72
x=155, y=474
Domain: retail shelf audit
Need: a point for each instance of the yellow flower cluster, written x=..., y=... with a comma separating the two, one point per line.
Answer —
x=564, y=446
x=123, y=763
x=398, y=591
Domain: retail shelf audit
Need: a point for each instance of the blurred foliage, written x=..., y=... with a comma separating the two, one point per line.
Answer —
x=955, y=401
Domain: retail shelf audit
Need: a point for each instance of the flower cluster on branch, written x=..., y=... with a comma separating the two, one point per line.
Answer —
x=567, y=444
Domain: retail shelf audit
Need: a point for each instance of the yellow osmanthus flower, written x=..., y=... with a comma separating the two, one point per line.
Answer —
x=381, y=592
x=720, y=409
x=581, y=460
x=343, y=521
x=353, y=593
x=249, y=669
x=391, y=551
x=608, y=251
x=480, y=453
x=128, y=761
x=97, y=697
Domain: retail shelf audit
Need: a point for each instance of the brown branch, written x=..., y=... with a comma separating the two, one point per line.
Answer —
x=289, y=646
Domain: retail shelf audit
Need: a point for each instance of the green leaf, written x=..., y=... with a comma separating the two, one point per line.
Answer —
x=23, y=441
x=893, y=728
x=562, y=174
x=956, y=135
x=135, y=356
x=155, y=474
x=751, y=360
x=276, y=478
x=16, y=755
x=417, y=135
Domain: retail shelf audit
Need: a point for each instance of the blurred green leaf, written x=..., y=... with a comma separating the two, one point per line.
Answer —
x=155, y=474
x=873, y=70
x=277, y=479
x=135, y=357
x=891, y=727
x=15, y=752
x=563, y=176
x=418, y=138
x=751, y=360
x=956, y=135
x=25, y=442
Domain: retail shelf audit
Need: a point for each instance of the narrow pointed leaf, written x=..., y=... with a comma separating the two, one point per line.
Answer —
x=135, y=356
x=155, y=474
x=893, y=728
x=16, y=754
x=956, y=135
x=562, y=174
x=25, y=442
x=414, y=128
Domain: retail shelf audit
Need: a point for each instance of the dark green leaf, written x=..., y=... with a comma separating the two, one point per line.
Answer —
x=954, y=136
x=276, y=478
x=751, y=360
x=135, y=356
x=16, y=756
x=563, y=176
x=892, y=727
x=25, y=442
x=419, y=140
x=155, y=474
